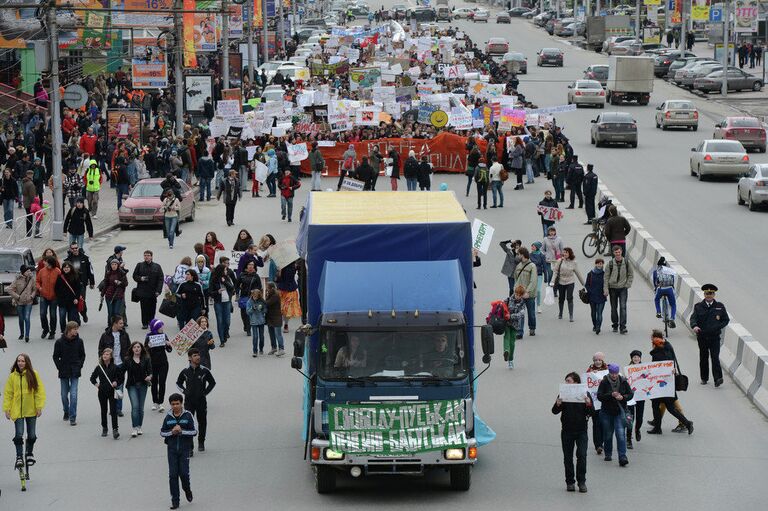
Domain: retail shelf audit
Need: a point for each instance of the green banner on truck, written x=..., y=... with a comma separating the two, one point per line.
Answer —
x=397, y=428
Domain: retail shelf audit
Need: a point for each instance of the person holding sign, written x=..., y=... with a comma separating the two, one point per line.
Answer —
x=636, y=410
x=574, y=417
x=158, y=346
x=614, y=392
x=598, y=365
x=662, y=350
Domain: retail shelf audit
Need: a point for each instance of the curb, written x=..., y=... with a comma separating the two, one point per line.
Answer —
x=741, y=355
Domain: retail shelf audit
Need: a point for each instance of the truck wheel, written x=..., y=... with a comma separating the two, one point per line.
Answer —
x=461, y=477
x=325, y=479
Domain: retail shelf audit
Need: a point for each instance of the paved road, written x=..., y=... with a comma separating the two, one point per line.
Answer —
x=255, y=448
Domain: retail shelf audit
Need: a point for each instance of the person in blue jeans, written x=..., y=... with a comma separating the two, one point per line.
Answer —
x=138, y=372
x=257, y=314
x=170, y=207
x=594, y=286
x=69, y=357
x=222, y=289
x=274, y=320
x=178, y=429
x=664, y=285
x=22, y=291
x=614, y=392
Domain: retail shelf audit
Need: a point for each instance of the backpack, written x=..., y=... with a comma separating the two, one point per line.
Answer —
x=348, y=163
x=498, y=317
x=481, y=174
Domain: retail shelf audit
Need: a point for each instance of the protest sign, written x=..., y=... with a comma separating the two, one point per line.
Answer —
x=384, y=94
x=156, y=341
x=297, y=152
x=339, y=122
x=573, y=392
x=261, y=172
x=592, y=381
x=364, y=77
x=461, y=119
x=352, y=185
x=228, y=108
x=187, y=337
x=553, y=109
x=396, y=428
x=550, y=214
x=218, y=127
x=454, y=72
x=367, y=117
x=425, y=112
x=283, y=253
x=482, y=234
x=652, y=380
x=233, y=255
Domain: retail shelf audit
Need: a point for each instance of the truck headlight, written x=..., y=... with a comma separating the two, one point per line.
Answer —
x=454, y=454
x=330, y=454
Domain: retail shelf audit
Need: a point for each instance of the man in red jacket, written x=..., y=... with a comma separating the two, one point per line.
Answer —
x=88, y=142
x=288, y=184
x=68, y=124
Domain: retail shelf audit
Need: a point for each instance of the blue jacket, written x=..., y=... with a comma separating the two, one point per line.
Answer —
x=183, y=441
x=257, y=312
x=539, y=260
x=595, y=286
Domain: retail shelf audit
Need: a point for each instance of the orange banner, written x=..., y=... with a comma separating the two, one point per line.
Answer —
x=190, y=56
x=257, y=18
x=447, y=152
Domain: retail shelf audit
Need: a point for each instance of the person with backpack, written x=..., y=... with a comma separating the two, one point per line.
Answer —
x=497, y=175
x=347, y=164
x=663, y=278
x=481, y=181
x=618, y=279
x=473, y=160
x=411, y=171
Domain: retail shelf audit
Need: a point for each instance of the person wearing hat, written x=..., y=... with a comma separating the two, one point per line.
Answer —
x=77, y=221
x=158, y=346
x=708, y=319
x=614, y=393
x=636, y=410
x=574, y=179
x=663, y=350
x=93, y=180
x=347, y=164
x=589, y=185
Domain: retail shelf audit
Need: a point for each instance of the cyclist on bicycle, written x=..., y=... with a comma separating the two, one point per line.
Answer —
x=663, y=279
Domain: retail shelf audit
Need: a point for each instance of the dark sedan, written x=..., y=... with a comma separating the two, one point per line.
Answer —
x=550, y=57
x=517, y=12
x=614, y=128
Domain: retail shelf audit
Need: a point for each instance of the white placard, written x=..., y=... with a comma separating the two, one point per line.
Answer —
x=482, y=234
x=592, y=381
x=651, y=380
x=261, y=172
x=156, y=341
x=573, y=392
x=297, y=152
x=352, y=185
x=228, y=108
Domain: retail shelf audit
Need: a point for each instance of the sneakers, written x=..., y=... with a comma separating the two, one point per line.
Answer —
x=538, y=309
x=104, y=432
x=672, y=323
x=629, y=443
x=115, y=434
x=154, y=407
x=134, y=433
x=280, y=353
x=599, y=450
x=511, y=364
x=607, y=458
x=72, y=421
x=532, y=333
x=623, y=461
x=623, y=331
x=658, y=315
x=51, y=336
x=272, y=351
x=160, y=408
x=139, y=431
x=120, y=414
x=655, y=431
x=690, y=427
x=679, y=428
x=254, y=354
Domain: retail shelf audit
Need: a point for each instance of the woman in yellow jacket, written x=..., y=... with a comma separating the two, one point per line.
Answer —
x=23, y=403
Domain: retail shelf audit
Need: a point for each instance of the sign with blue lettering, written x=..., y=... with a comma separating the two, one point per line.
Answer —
x=671, y=5
x=716, y=15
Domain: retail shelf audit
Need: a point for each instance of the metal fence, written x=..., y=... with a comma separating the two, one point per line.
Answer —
x=21, y=231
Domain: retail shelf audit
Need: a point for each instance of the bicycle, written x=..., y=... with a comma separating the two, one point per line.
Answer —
x=665, y=314
x=595, y=242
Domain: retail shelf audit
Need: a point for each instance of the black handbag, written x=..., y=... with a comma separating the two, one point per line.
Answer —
x=168, y=308
x=584, y=296
x=681, y=380
x=135, y=295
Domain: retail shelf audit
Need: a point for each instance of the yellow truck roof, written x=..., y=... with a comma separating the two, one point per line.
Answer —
x=351, y=207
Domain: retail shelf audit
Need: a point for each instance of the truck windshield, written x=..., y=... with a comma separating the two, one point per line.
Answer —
x=392, y=355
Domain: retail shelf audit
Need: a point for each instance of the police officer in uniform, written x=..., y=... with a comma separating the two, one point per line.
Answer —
x=708, y=320
x=589, y=185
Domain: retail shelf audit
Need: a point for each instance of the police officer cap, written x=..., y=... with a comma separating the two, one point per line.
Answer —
x=709, y=287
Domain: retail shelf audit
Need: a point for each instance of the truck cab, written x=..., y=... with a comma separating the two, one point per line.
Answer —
x=388, y=352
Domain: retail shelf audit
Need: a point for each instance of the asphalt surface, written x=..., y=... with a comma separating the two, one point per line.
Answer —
x=254, y=447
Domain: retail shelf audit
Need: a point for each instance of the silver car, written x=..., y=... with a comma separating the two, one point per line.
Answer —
x=678, y=113
x=719, y=157
x=702, y=69
x=753, y=187
x=629, y=47
x=690, y=65
x=586, y=92
x=614, y=127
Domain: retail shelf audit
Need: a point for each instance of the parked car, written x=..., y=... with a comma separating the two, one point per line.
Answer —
x=609, y=43
x=720, y=157
x=518, y=12
x=680, y=63
x=512, y=57
x=664, y=60
x=586, y=92
x=503, y=17
x=629, y=47
x=550, y=56
x=677, y=113
x=270, y=68
x=444, y=13
x=143, y=206
x=273, y=93
x=614, y=127
x=463, y=12
x=560, y=25
x=737, y=80
x=688, y=76
x=496, y=46
x=481, y=15
x=753, y=187
x=649, y=47
x=747, y=130
x=11, y=259
x=597, y=72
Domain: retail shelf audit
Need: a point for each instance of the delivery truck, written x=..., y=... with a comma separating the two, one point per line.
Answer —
x=388, y=354
x=629, y=79
x=600, y=28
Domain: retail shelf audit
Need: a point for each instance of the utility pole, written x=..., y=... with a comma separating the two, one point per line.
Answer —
x=683, y=28
x=264, y=29
x=726, y=47
x=57, y=226
x=250, y=41
x=638, y=28
x=293, y=21
x=178, y=72
x=281, y=24
x=667, y=18
x=225, y=45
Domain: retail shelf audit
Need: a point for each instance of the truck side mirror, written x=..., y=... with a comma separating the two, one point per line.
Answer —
x=298, y=343
x=296, y=363
x=486, y=339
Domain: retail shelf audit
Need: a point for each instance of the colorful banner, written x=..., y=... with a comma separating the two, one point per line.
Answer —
x=124, y=123
x=365, y=78
x=187, y=337
x=397, y=428
x=745, y=15
x=318, y=68
x=207, y=27
x=700, y=10
x=550, y=214
x=258, y=19
x=235, y=21
x=652, y=380
x=188, y=18
x=676, y=14
x=122, y=19
x=149, y=69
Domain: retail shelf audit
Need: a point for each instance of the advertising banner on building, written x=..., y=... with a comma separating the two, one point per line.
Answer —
x=149, y=68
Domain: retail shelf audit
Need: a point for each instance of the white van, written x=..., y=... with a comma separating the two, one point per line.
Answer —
x=444, y=13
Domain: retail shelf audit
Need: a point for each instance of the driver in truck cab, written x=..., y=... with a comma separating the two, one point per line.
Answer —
x=351, y=355
x=440, y=360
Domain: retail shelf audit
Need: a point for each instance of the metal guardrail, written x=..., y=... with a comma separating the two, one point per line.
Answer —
x=19, y=232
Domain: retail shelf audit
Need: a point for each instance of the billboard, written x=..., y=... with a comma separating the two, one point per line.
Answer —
x=149, y=68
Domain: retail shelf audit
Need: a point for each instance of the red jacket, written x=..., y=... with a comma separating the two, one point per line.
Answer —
x=88, y=144
x=46, y=282
x=287, y=186
x=67, y=125
x=210, y=251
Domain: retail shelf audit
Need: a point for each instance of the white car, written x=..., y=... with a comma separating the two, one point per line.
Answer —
x=753, y=187
x=677, y=112
x=719, y=157
x=586, y=92
x=273, y=93
x=464, y=12
x=271, y=67
x=481, y=15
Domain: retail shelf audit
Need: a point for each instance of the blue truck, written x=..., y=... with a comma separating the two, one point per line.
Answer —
x=388, y=352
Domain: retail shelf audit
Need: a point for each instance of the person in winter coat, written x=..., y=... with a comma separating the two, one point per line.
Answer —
x=68, y=295
x=525, y=275
x=45, y=280
x=594, y=286
x=549, y=202
x=274, y=320
x=708, y=320
x=232, y=193
x=257, y=314
x=636, y=410
x=9, y=193
x=574, y=418
x=73, y=186
x=206, y=169
x=69, y=357
x=473, y=160
x=552, y=247
x=191, y=298
x=28, y=194
x=589, y=184
x=411, y=171
x=515, y=325
x=77, y=222
x=203, y=273
x=347, y=164
x=107, y=377
x=364, y=173
x=211, y=246
x=424, y=175
x=82, y=264
x=23, y=291
x=316, y=166
x=614, y=392
x=510, y=262
x=574, y=179
x=272, y=172
x=247, y=281
x=539, y=259
x=196, y=382
x=222, y=290
x=138, y=375
x=205, y=343
x=288, y=186
x=178, y=429
x=23, y=403
x=158, y=346
x=618, y=279
x=37, y=216
x=516, y=162
x=563, y=278
x=395, y=177
x=148, y=276
x=114, y=285
x=598, y=365
x=663, y=350
x=375, y=159
x=616, y=229
x=170, y=207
